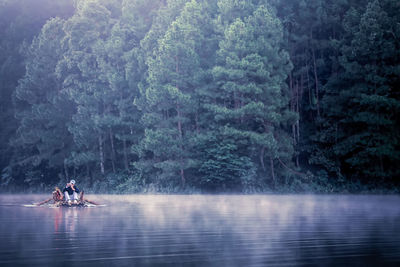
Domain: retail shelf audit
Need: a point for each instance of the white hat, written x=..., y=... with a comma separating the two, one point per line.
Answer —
x=72, y=182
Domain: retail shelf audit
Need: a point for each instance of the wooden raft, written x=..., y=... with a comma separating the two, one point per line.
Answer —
x=62, y=203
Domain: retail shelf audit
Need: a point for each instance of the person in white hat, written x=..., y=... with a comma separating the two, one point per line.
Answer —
x=71, y=192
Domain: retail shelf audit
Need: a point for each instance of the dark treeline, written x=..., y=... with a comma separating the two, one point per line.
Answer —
x=227, y=95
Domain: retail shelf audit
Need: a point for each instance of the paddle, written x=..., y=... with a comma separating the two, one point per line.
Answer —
x=87, y=200
x=43, y=202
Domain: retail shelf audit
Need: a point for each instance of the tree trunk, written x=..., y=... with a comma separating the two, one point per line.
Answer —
x=101, y=154
x=292, y=106
x=180, y=140
x=298, y=93
x=178, y=110
x=272, y=170
x=296, y=172
x=125, y=154
x=66, y=170
x=262, y=158
x=316, y=81
x=112, y=149
x=89, y=174
x=183, y=180
x=310, y=94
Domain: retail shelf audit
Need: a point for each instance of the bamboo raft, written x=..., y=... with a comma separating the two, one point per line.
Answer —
x=56, y=202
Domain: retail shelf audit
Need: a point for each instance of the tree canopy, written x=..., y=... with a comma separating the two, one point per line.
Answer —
x=172, y=95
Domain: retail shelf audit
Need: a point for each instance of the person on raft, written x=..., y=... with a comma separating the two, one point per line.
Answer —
x=57, y=194
x=71, y=192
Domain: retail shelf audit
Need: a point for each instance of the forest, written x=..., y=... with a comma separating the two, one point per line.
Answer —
x=170, y=96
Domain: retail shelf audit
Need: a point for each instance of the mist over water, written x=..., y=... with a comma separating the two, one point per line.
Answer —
x=203, y=230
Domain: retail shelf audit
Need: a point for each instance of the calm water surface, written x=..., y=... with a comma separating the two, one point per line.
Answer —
x=202, y=230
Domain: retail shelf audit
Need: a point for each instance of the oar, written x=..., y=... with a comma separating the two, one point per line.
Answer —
x=87, y=200
x=92, y=202
x=43, y=202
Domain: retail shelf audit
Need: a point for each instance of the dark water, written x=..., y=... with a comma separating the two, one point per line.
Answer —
x=197, y=230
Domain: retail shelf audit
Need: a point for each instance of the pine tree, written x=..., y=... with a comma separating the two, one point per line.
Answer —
x=171, y=109
x=87, y=86
x=20, y=21
x=122, y=69
x=312, y=31
x=362, y=117
x=252, y=97
x=43, y=109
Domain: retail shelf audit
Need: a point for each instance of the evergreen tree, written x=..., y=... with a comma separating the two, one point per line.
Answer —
x=86, y=34
x=171, y=108
x=199, y=93
x=224, y=163
x=252, y=97
x=20, y=21
x=312, y=30
x=43, y=109
x=166, y=14
x=361, y=124
x=122, y=69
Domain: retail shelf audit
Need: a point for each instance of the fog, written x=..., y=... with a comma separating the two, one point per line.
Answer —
x=199, y=230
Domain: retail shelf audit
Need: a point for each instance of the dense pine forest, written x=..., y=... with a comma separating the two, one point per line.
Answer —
x=200, y=96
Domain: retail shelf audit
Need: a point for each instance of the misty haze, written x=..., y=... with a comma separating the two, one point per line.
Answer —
x=203, y=230
x=199, y=132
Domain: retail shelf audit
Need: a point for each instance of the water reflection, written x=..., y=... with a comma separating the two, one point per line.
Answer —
x=204, y=231
x=70, y=221
x=58, y=214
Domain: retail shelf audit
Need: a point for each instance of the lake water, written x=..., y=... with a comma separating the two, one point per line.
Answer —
x=203, y=230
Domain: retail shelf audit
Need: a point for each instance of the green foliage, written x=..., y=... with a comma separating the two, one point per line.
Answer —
x=42, y=106
x=171, y=101
x=223, y=161
x=251, y=96
x=20, y=21
x=362, y=118
x=184, y=95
